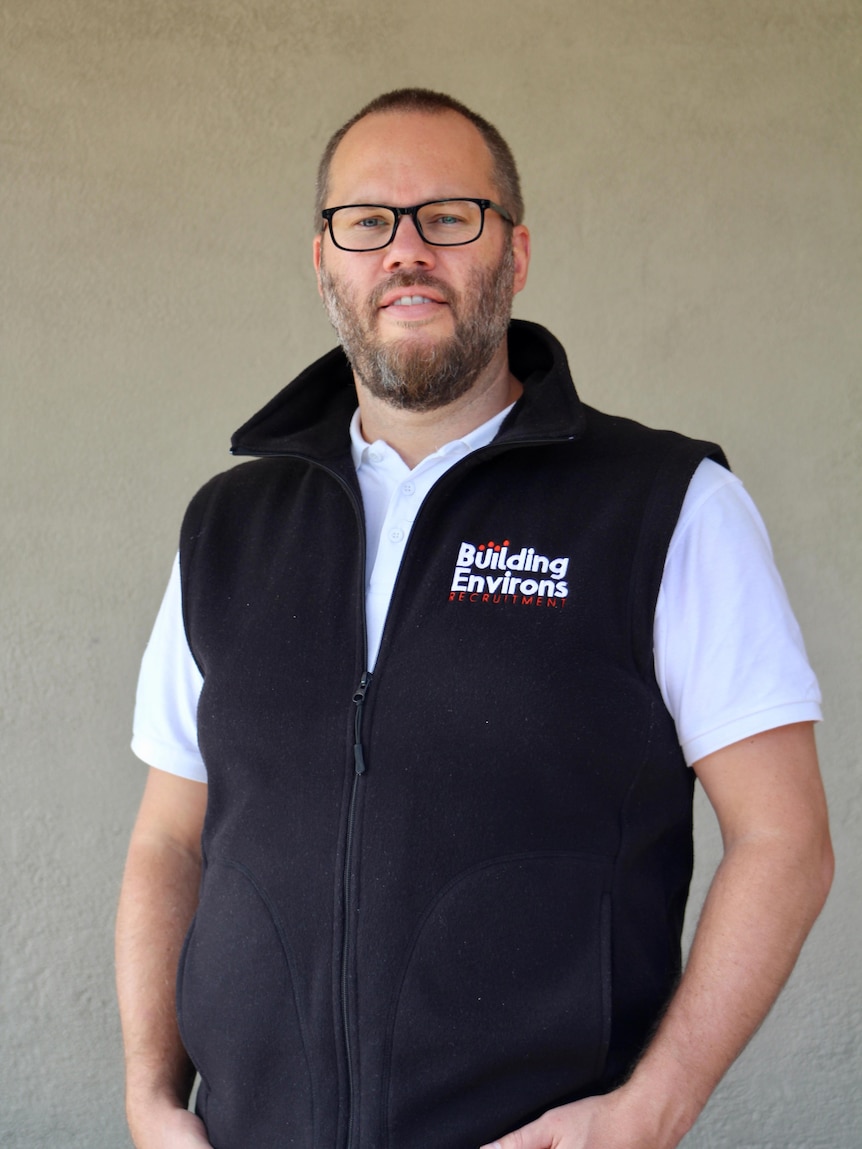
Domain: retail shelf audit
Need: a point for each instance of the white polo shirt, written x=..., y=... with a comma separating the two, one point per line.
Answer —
x=729, y=656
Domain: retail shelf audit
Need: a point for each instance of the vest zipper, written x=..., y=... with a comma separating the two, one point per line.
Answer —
x=347, y=888
x=359, y=699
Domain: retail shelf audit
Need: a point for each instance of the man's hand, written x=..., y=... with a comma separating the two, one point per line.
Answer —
x=609, y=1122
x=171, y=1128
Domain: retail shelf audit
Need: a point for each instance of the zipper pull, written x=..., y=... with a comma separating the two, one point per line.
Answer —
x=359, y=700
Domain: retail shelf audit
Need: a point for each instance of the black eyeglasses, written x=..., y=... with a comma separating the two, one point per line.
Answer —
x=441, y=222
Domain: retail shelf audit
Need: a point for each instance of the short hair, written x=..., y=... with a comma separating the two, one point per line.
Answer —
x=504, y=169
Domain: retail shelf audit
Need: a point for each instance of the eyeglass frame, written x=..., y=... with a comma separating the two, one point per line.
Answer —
x=484, y=204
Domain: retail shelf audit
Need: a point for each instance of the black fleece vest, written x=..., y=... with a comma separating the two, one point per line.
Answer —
x=438, y=902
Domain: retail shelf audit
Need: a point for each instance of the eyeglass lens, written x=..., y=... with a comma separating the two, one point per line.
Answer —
x=363, y=227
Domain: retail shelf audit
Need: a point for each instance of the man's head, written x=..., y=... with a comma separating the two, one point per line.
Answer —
x=421, y=322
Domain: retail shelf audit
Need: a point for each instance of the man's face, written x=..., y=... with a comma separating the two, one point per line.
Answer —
x=419, y=323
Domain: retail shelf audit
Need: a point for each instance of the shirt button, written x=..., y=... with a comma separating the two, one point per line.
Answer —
x=375, y=456
x=408, y=488
x=396, y=535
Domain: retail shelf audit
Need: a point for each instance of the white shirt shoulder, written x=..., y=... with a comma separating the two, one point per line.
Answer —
x=729, y=656
x=165, y=730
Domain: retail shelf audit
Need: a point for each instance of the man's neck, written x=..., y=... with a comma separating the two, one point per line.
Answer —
x=417, y=434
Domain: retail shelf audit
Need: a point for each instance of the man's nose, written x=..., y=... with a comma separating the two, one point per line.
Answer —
x=408, y=248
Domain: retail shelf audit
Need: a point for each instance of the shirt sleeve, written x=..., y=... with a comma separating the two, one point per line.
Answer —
x=729, y=656
x=169, y=685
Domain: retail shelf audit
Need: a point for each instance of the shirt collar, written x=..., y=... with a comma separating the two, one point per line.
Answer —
x=361, y=450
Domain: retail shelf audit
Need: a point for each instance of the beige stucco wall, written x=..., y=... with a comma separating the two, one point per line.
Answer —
x=692, y=172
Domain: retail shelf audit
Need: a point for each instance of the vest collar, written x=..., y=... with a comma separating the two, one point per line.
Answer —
x=311, y=416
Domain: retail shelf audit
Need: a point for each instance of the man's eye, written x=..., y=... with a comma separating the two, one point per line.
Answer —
x=370, y=222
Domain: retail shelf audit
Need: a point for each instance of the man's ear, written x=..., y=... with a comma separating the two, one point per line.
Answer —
x=317, y=256
x=521, y=251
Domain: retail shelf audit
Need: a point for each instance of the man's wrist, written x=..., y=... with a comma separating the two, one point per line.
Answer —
x=665, y=1099
x=149, y=1102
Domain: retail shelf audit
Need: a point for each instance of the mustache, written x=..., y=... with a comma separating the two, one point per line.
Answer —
x=405, y=279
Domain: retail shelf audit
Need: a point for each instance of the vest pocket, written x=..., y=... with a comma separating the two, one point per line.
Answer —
x=238, y=1017
x=504, y=1007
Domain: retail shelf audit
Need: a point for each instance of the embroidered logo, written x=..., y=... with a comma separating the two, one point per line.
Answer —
x=495, y=573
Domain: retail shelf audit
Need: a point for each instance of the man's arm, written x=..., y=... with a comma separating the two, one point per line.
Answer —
x=157, y=902
x=769, y=888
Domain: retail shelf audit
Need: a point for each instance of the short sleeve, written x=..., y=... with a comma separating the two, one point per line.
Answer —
x=729, y=655
x=169, y=685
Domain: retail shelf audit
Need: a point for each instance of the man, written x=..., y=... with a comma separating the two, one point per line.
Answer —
x=419, y=686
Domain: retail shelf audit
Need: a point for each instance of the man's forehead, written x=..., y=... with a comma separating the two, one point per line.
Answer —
x=442, y=152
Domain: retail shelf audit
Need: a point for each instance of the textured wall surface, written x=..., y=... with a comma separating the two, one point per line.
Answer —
x=693, y=176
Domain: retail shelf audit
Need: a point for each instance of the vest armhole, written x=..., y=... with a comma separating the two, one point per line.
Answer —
x=190, y=532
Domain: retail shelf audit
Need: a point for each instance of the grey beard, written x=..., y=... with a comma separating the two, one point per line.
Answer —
x=425, y=378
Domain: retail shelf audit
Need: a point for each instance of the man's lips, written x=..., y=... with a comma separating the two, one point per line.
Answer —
x=411, y=297
x=412, y=301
